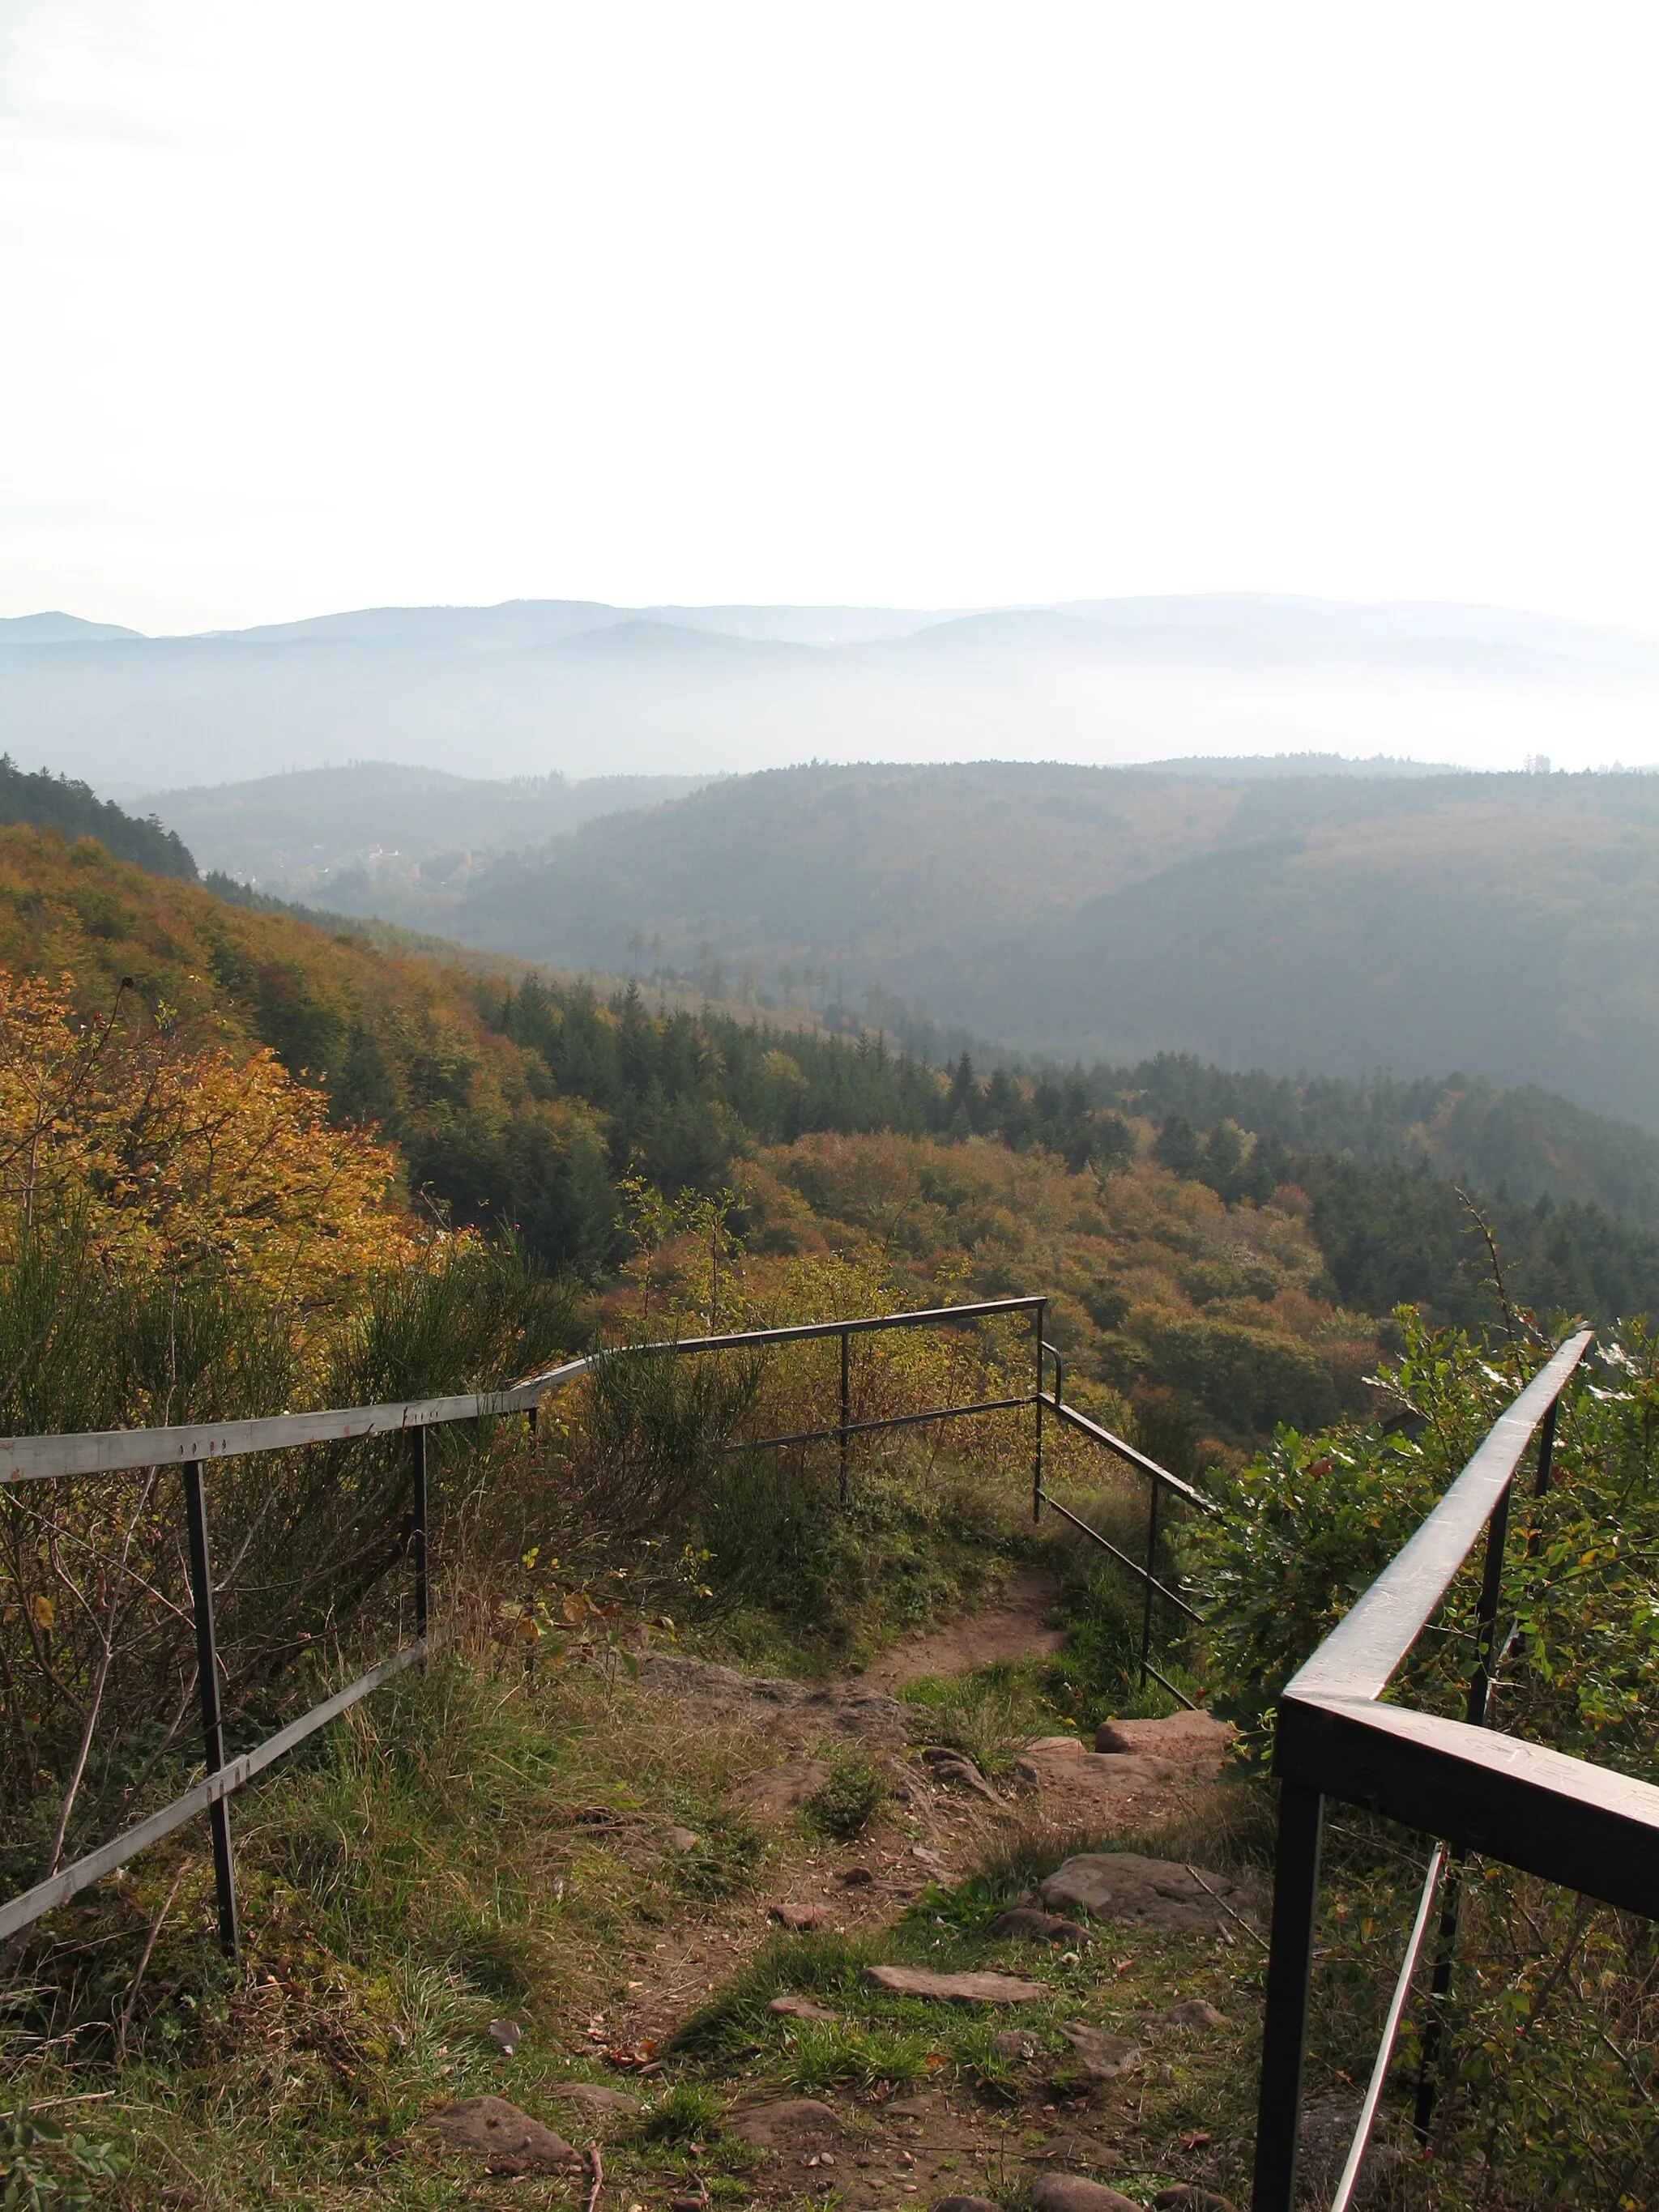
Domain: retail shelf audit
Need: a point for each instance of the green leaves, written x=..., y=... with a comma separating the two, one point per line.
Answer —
x=44, y=2170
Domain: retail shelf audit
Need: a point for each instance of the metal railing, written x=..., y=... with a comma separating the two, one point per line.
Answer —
x=193, y=1447
x=1467, y=1784
x=1160, y=1483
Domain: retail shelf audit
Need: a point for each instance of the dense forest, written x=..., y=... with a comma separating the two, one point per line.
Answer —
x=55, y=802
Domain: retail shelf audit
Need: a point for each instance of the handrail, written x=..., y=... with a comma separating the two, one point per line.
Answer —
x=111, y=1451
x=1468, y=1785
x=45, y=1458
x=1149, y=1468
x=1357, y=1659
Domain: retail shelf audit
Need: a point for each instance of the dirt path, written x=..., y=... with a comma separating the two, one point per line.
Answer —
x=1008, y=1625
x=869, y=2150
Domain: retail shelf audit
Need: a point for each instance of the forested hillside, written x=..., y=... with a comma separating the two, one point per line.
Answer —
x=1214, y=1272
x=53, y=802
x=1498, y=924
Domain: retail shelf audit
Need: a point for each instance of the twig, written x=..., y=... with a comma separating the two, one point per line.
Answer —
x=596, y=2168
x=1485, y=1227
x=1628, y=2065
x=143, y=1960
x=1227, y=1909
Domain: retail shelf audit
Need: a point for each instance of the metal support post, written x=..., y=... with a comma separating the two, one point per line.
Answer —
x=1289, y=1972
x=846, y=1404
x=1474, y=1712
x=1152, y=1574
x=1545, y=1455
x=1039, y=1323
x=207, y=1682
x=1485, y=1616
x=418, y=1524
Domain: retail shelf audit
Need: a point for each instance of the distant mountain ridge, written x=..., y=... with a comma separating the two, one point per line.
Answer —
x=582, y=688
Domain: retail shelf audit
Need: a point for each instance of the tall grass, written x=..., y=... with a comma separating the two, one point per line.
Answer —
x=97, y=1645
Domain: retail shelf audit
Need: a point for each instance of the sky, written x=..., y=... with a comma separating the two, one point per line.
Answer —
x=326, y=306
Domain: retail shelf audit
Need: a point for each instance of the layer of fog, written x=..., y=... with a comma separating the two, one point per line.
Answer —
x=585, y=691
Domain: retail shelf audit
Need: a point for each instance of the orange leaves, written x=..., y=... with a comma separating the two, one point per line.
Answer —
x=176, y=1155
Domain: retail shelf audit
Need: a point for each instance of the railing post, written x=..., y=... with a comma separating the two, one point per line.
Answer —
x=1290, y=1974
x=1474, y=1712
x=1152, y=1570
x=1485, y=1616
x=207, y=1680
x=1546, y=1453
x=1491, y=1583
x=846, y=1403
x=1040, y=1319
x=417, y=1523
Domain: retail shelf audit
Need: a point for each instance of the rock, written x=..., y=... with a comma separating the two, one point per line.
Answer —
x=1191, y=2012
x=1038, y=1926
x=506, y=2032
x=682, y=1840
x=1192, y=1740
x=792, y=2007
x=797, y=1916
x=931, y=1860
x=911, y=2108
x=1187, y=2197
x=811, y=1709
x=596, y=2097
x=951, y=1766
x=1070, y=2192
x=961, y=1989
x=1328, y=2126
x=1055, y=1743
x=787, y=2123
x=963, y=2204
x=1105, y=2056
x=688, y=2204
x=1015, y=2042
x=510, y=2141
x=777, y=1793
x=1123, y=1886
x=1070, y=2149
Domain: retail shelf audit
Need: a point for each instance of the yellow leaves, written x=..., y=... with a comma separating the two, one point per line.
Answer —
x=175, y=1154
x=46, y=1612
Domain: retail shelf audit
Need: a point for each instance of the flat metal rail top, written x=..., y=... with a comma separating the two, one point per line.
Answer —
x=114, y=1452
x=1360, y=1654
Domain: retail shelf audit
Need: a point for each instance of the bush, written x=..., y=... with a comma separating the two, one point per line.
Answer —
x=847, y=1803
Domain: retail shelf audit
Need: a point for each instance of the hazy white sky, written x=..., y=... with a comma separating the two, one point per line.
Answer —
x=324, y=305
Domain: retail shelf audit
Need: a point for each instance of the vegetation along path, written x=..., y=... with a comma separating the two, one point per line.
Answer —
x=947, y=1976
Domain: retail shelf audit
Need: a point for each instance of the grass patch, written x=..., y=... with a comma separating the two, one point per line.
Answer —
x=989, y=1714
x=849, y=1800
x=691, y=2111
x=726, y=1858
x=823, y=2056
x=736, y=2020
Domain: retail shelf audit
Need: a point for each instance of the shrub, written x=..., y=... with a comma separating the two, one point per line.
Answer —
x=854, y=1793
